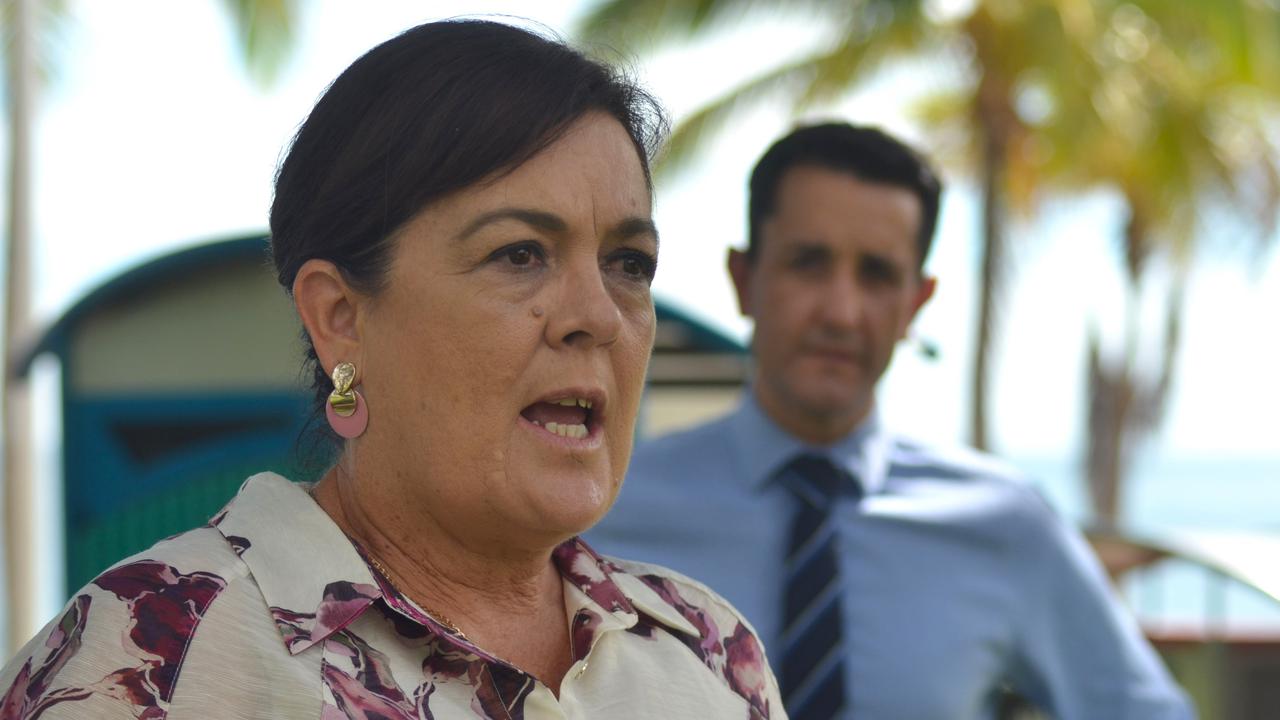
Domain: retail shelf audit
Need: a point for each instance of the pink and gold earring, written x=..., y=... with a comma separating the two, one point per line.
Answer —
x=346, y=410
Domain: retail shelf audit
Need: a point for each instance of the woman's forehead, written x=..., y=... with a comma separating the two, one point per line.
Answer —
x=593, y=171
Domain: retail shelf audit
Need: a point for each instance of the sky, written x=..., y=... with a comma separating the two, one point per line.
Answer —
x=151, y=137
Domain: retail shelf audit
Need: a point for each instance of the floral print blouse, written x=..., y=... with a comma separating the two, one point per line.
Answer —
x=271, y=612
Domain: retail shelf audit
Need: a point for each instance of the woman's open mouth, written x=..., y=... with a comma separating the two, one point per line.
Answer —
x=572, y=416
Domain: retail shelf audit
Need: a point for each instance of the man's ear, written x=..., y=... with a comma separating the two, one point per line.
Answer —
x=924, y=291
x=329, y=308
x=740, y=265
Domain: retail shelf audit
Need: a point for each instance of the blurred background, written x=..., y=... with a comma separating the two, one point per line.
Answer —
x=1108, y=279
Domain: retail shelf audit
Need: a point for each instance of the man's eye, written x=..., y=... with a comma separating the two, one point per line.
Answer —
x=809, y=261
x=881, y=272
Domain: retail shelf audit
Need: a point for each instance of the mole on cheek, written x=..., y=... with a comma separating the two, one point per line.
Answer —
x=537, y=311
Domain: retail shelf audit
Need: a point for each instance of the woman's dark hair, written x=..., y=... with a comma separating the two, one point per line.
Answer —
x=429, y=112
x=866, y=153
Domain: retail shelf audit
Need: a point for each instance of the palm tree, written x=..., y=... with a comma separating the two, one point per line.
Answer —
x=1173, y=116
x=264, y=30
x=998, y=43
x=1154, y=99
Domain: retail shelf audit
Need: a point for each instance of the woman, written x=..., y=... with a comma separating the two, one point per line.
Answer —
x=464, y=224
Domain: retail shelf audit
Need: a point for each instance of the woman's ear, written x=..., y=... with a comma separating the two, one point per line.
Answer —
x=329, y=308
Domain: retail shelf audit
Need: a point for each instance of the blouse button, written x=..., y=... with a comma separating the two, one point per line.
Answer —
x=581, y=670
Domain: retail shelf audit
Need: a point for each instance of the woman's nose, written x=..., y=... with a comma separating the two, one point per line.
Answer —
x=585, y=314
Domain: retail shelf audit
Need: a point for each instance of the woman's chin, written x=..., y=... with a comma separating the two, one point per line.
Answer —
x=568, y=502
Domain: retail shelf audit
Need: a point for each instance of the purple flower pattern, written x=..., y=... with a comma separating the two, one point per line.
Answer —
x=737, y=656
x=359, y=679
x=238, y=544
x=26, y=698
x=163, y=606
x=359, y=625
x=370, y=691
x=343, y=601
x=590, y=572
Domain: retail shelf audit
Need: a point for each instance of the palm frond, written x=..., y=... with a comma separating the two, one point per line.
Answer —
x=816, y=78
x=50, y=20
x=862, y=50
x=265, y=31
x=693, y=133
x=640, y=25
x=948, y=115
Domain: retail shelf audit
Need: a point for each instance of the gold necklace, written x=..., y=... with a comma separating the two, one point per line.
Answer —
x=386, y=575
x=433, y=614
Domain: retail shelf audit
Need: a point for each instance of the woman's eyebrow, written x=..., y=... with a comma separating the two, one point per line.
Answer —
x=552, y=223
x=633, y=227
x=534, y=218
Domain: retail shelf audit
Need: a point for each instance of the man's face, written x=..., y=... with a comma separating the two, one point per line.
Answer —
x=833, y=287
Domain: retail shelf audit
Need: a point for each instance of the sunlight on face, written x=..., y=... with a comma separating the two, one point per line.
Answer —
x=506, y=358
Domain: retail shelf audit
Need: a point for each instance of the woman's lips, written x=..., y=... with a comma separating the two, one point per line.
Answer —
x=566, y=417
x=571, y=417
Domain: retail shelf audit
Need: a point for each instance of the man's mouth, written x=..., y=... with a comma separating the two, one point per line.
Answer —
x=568, y=417
x=842, y=355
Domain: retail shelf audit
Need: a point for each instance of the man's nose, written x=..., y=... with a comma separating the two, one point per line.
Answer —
x=843, y=303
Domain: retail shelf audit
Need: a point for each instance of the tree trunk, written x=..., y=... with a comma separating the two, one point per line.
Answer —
x=990, y=282
x=1111, y=393
x=1125, y=404
x=18, y=491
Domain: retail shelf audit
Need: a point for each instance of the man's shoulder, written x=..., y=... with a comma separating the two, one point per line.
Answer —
x=986, y=486
x=910, y=457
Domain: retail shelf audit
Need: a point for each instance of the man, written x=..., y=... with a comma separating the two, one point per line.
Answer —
x=888, y=579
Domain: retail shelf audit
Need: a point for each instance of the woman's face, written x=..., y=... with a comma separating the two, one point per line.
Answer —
x=503, y=362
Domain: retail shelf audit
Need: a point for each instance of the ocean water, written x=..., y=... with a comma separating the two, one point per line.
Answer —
x=1167, y=495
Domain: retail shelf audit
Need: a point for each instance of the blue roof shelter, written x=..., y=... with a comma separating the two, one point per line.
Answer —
x=182, y=376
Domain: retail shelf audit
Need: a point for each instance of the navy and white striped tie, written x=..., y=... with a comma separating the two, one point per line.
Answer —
x=813, y=669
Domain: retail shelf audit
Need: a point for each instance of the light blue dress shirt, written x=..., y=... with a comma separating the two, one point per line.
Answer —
x=959, y=579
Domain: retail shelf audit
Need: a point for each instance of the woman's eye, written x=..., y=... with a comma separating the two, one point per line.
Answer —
x=637, y=265
x=521, y=255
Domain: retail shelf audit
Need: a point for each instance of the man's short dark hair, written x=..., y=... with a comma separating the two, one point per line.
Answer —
x=866, y=153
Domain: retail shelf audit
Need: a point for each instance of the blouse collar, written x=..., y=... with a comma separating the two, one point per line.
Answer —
x=316, y=581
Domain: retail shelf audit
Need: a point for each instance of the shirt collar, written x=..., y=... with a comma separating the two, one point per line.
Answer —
x=315, y=582
x=613, y=589
x=763, y=447
x=311, y=577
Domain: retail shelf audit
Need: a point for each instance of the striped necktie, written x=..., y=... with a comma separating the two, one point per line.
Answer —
x=813, y=667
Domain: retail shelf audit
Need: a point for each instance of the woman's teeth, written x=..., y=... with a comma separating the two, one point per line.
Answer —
x=574, y=402
x=564, y=429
